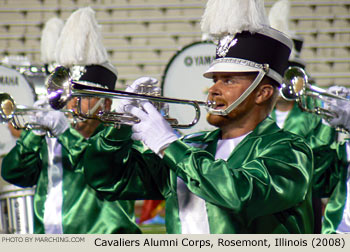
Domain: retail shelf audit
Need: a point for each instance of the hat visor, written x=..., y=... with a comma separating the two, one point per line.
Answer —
x=228, y=68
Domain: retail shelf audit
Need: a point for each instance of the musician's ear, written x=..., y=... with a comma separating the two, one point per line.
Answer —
x=264, y=93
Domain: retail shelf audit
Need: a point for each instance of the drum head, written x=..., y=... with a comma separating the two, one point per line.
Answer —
x=13, y=83
x=183, y=78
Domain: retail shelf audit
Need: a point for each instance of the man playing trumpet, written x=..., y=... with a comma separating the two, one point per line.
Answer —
x=63, y=202
x=247, y=176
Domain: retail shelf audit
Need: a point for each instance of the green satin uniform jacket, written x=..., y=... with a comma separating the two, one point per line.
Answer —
x=263, y=187
x=335, y=185
x=82, y=211
x=330, y=165
x=319, y=136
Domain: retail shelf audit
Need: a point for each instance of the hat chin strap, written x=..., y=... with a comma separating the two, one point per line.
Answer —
x=244, y=95
x=76, y=120
x=98, y=104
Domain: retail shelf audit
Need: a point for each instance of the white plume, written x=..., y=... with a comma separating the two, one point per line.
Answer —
x=49, y=37
x=233, y=16
x=80, y=42
x=279, y=16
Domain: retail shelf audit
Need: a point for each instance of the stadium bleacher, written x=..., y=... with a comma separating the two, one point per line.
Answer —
x=141, y=36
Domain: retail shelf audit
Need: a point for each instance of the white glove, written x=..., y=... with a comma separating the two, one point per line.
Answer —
x=136, y=85
x=343, y=119
x=340, y=107
x=153, y=130
x=42, y=103
x=339, y=90
x=54, y=121
x=134, y=88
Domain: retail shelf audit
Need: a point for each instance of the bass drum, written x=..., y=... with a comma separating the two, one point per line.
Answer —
x=16, y=205
x=13, y=83
x=36, y=76
x=183, y=78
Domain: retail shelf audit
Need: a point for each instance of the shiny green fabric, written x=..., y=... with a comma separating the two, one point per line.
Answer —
x=264, y=187
x=319, y=136
x=336, y=178
x=330, y=166
x=82, y=210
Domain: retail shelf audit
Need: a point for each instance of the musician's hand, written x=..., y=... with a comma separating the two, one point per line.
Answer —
x=42, y=103
x=54, y=121
x=134, y=88
x=343, y=119
x=153, y=130
x=339, y=106
x=339, y=90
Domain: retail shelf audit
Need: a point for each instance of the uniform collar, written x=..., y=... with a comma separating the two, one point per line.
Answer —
x=267, y=126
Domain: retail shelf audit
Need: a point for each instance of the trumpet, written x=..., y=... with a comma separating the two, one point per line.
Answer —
x=20, y=115
x=310, y=98
x=61, y=88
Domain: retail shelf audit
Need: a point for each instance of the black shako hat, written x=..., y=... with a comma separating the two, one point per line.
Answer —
x=250, y=51
x=95, y=75
x=246, y=43
x=294, y=58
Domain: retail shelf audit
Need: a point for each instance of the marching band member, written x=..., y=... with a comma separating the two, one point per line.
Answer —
x=63, y=202
x=337, y=211
x=248, y=175
x=290, y=117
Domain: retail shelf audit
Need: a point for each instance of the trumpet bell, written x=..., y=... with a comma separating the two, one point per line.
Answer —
x=58, y=87
x=7, y=107
x=294, y=83
x=310, y=98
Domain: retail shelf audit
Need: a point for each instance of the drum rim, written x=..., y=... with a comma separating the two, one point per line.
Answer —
x=7, y=189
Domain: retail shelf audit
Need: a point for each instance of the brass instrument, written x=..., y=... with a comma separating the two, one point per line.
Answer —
x=19, y=115
x=310, y=98
x=61, y=88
